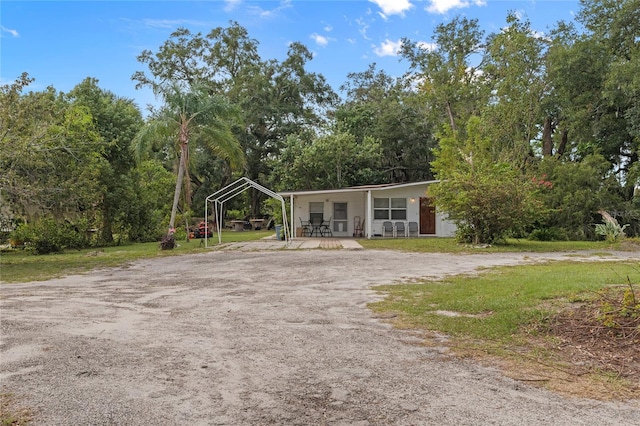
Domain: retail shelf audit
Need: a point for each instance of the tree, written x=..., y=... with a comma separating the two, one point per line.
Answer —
x=445, y=73
x=389, y=111
x=482, y=193
x=190, y=115
x=515, y=70
x=116, y=120
x=275, y=98
x=50, y=154
x=333, y=161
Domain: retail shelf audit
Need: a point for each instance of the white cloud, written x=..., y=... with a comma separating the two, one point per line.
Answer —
x=256, y=10
x=231, y=5
x=14, y=33
x=328, y=28
x=362, y=28
x=393, y=7
x=443, y=6
x=321, y=40
x=429, y=47
x=388, y=48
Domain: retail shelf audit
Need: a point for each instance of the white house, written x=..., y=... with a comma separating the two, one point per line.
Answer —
x=368, y=211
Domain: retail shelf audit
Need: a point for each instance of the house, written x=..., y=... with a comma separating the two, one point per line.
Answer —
x=363, y=210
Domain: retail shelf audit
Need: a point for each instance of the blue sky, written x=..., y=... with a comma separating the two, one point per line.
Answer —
x=61, y=43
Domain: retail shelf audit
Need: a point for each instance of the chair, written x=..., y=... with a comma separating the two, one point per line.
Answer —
x=387, y=229
x=316, y=226
x=307, y=229
x=325, y=228
x=400, y=229
x=413, y=229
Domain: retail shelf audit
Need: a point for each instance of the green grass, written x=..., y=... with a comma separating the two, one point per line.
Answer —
x=449, y=245
x=501, y=302
x=22, y=266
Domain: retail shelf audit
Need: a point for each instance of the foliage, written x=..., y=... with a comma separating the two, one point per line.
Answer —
x=484, y=196
x=116, y=120
x=275, y=98
x=400, y=120
x=50, y=154
x=333, y=161
x=619, y=309
x=611, y=231
x=48, y=236
x=190, y=115
x=579, y=190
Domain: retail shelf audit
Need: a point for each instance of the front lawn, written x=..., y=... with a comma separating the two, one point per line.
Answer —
x=22, y=265
x=518, y=315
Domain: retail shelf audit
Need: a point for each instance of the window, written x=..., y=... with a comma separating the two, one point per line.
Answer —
x=390, y=208
x=316, y=211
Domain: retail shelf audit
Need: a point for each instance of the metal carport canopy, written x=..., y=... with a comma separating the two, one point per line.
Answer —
x=230, y=191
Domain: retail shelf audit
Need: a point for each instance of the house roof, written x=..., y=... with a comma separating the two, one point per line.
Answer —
x=364, y=188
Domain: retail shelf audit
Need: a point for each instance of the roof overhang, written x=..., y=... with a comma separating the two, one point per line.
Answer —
x=365, y=188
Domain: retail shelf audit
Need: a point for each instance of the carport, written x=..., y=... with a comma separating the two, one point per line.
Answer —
x=232, y=190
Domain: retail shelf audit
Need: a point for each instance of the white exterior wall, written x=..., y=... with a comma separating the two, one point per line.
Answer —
x=357, y=206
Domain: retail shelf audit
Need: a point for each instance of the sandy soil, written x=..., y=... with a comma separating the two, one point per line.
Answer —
x=256, y=338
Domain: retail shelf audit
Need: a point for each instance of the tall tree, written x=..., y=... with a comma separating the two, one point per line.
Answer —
x=117, y=120
x=190, y=115
x=515, y=70
x=49, y=154
x=447, y=73
x=276, y=98
x=390, y=111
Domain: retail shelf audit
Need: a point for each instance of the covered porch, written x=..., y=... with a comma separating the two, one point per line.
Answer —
x=389, y=210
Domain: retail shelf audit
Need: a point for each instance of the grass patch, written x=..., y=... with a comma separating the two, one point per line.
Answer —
x=499, y=313
x=22, y=266
x=449, y=245
x=10, y=413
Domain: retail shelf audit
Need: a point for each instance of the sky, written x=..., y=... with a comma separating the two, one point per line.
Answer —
x=60, y=43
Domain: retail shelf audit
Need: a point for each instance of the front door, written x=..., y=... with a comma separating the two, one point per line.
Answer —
x=340, y=220
x=427, y=216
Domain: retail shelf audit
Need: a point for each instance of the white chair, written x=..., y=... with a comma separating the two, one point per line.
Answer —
x=400, y=230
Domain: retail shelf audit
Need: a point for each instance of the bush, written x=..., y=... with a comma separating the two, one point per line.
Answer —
x=548, y=234
x=49, y=236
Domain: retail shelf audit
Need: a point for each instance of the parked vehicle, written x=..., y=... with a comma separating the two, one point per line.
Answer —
x=202, y=229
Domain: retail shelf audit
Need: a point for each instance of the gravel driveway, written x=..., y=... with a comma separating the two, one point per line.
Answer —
x=278, y=337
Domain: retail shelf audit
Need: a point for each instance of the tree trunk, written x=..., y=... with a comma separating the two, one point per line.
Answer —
x=563, y=142
x=176, y=194
x=547, y=141
x=451, y=119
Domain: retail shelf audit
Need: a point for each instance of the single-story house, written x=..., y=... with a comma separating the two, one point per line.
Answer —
x=367, y=211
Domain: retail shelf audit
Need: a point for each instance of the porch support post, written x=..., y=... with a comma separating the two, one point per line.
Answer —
x=293, y=219
x=369, y=215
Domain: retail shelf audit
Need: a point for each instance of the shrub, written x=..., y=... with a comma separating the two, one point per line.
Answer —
x=547, y=234
x=48, y=236
x=611, y=231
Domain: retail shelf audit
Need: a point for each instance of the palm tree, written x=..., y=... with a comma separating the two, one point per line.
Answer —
x=188, y=114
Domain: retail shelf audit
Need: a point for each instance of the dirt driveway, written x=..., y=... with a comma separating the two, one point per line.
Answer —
x=255, y=338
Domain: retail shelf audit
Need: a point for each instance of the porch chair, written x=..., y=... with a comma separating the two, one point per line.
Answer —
x=400, y=229
x=413, y=229
x=387, y=229
x=325, y=228
x=306, y=227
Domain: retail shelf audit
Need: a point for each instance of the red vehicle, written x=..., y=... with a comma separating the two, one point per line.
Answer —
x=202, y=229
